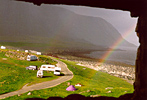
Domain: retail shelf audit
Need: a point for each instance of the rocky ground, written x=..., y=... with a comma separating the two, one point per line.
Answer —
x=121, y=71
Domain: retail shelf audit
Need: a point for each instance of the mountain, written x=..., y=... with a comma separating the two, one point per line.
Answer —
x=55, y=26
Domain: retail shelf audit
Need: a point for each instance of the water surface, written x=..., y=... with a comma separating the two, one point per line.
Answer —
x=126, y=55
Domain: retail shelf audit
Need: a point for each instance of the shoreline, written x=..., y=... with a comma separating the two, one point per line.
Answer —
x=81, y=55
x=121, y=70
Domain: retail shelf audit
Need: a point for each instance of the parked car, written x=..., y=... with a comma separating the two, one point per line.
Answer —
x=32, y=67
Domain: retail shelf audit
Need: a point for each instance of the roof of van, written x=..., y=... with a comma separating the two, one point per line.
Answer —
x=49, y=65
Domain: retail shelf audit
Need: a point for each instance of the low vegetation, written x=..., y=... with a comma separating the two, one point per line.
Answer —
x=94, y=83
x=14, y=74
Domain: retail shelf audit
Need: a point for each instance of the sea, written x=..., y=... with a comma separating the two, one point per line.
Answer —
x=125, y=55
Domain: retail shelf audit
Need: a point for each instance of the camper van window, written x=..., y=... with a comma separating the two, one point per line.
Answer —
x=53, y=68
x=49, y=67
x=43, y=66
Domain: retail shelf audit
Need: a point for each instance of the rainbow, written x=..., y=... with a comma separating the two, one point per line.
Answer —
x=117, y=43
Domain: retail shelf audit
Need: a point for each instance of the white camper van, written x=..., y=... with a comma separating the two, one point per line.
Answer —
x=40, y=73
x=31, y=58
x=26, y=51
x=48, y=67
x=3, y=47
x=57, y=71
x=38, y=53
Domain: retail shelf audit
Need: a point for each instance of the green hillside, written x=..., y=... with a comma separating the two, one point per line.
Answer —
x=94, y=83
x=13, y=70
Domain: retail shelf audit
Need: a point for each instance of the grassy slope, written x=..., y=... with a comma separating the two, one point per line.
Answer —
x=92, y=80
x=14, y=74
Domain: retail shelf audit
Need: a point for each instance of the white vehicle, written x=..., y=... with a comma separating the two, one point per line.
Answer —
x=48, y=67
x=38, y=53
x=26, y=51
x=40, y=73
x=3, y=47
x=57, y=71
x=31, y=67
x=31, y=58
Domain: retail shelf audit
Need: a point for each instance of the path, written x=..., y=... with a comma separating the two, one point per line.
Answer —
x=68, y=75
